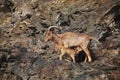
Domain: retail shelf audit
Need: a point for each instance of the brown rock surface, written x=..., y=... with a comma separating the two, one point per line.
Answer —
x=25, y=56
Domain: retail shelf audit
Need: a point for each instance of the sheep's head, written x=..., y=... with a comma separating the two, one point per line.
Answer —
x=50, y=32
x=48, y=36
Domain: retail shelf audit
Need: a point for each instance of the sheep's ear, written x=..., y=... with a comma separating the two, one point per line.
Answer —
x=52, y=30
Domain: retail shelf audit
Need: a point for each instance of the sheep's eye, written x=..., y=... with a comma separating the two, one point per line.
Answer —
x=48, y=33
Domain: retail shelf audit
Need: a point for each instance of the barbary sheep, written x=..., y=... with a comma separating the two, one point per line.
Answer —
x=69, y=42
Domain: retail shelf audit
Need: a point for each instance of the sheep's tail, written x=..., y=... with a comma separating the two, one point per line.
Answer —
x=93, y=38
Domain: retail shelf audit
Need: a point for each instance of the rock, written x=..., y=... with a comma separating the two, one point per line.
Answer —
x=116, y=75
x=25, y=56
x=6, y=6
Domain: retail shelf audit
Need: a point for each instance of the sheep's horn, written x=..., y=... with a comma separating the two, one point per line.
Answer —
x=51, y=27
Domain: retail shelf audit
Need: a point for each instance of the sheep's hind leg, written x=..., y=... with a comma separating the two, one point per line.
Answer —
x=88, y=54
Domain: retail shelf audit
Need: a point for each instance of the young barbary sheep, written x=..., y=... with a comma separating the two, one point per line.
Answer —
x=69, y=42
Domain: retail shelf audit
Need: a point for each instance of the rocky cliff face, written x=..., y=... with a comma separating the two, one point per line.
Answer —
x=25, y=56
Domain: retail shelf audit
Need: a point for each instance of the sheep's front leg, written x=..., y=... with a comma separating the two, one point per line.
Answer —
x=73, y=58
x=60, y=56
x=62, y=53
x=85, y=60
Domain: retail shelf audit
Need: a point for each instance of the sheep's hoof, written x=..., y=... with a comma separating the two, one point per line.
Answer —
x=90, y=60
x=60, y=58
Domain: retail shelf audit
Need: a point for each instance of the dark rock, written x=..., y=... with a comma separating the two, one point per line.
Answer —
x=25, y=56
x=6, y=6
